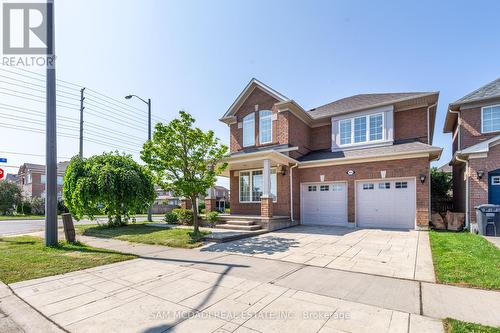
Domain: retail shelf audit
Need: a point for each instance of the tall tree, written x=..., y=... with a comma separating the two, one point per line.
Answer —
x=110, y=183
x=10, y=195
x=184, y=159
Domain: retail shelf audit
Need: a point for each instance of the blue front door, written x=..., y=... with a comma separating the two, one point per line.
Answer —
x=494, y=187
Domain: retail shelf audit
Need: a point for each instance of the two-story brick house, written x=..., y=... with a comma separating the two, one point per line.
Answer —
x=31, y=178
x=474, y=121
x=359, y=161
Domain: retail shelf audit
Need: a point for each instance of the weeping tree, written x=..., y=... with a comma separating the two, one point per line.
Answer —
x=184, y=159
x=110, y=184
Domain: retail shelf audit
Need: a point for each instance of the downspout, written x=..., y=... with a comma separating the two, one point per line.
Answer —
x=291, y=191
x=467, y=213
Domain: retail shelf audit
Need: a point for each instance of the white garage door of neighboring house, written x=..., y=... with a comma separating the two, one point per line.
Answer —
x=387, y=203
x=324, y=203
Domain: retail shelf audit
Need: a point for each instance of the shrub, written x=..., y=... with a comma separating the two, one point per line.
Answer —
x=212, y=218
x=171, y=217
x=227, y=210
x=201, y=205
x=10, y=196
x=184, y=216
x=37, y=206
x=24, y=207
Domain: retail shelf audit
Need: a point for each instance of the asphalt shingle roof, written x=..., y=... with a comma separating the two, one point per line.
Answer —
x=489, y=90
x=407, y=147
x=360, y=102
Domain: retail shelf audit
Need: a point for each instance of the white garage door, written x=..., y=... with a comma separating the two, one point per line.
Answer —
x=386, y=203
x=324, y=203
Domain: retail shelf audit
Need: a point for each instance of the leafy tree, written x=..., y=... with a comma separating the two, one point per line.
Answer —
x=440, y=184
x=10, y=196
x=110, y=183
x=184, y=158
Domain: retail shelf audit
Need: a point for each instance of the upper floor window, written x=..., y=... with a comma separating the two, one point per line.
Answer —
x=249, y=130
x=491, y=118
x=361, y=129
x=265, y=126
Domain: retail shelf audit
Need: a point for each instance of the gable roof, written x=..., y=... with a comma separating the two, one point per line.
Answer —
x=488, y=91
x=254, y=83
x=363, y=101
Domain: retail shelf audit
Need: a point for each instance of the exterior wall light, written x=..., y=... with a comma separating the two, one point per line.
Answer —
x=283, y=170
x=480, y=174
x=422, y=178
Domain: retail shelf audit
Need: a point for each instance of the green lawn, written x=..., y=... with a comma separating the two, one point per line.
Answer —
x=26, y=257
x=140, y=233
x=465, y=259
x=457, y=326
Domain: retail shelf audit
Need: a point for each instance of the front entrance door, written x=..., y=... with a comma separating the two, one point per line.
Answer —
x=494, y=187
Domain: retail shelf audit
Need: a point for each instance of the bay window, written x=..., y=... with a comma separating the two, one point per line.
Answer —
x=249, y=130
x=490, y=116
x=265, y=126
x=361, y=129
x=251, y=185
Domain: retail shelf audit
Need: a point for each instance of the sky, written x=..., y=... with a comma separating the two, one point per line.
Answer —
x=198, y=56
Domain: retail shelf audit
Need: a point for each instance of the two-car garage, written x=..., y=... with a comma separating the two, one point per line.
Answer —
x=384, y=203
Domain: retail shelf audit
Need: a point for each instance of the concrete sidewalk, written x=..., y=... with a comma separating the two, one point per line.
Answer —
x=17, y=317
x=208, y=291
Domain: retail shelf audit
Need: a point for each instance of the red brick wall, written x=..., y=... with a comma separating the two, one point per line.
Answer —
x=471, y=128
x=265, y=102
x=321, y=137
x=395, y=168
x=411, y=124
x=299, y=134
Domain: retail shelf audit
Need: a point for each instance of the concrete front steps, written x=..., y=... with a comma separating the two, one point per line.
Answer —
x=240, y=225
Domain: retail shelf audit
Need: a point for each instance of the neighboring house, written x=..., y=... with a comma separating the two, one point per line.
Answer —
x=11, y=177
x=166, y=197
x=359, y=161
x=32, y=179
x=474, y=121
x=446, y=168
x=221, y=197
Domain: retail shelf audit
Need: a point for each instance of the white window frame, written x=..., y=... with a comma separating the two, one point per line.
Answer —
x=269, y=117
x=493, y=178
x=482, y=118
x=367, y=117
x=249, y=120
x=368, y=186
x=275, y=196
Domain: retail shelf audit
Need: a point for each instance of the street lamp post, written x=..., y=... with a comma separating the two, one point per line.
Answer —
x=148, y=102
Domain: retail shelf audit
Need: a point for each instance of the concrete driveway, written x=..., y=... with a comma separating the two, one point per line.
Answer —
x=401, y=254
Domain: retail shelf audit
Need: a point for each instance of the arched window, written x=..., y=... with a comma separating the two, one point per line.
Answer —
x=265, y=126
x=249, y=130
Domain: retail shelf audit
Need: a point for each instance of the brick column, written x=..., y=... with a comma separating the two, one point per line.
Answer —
x=266, y=207
x=210, y=204
x=186, y=203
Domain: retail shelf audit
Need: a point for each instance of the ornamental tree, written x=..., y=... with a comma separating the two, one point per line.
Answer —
x=10, y=195
x=110, y=184
x=184, y=159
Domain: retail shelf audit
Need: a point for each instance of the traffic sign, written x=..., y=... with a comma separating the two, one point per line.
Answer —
x=3, y=160
x=1, y=173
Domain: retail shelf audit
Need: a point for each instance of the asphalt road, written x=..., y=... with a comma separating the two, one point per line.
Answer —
x=14, y=227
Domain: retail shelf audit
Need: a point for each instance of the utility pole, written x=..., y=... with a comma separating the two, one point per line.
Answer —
x=81, y=121
x=150, y=216
x=50, y=135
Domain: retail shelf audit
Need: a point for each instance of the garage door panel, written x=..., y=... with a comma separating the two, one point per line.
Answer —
x=387, y=206
x=327, y=207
